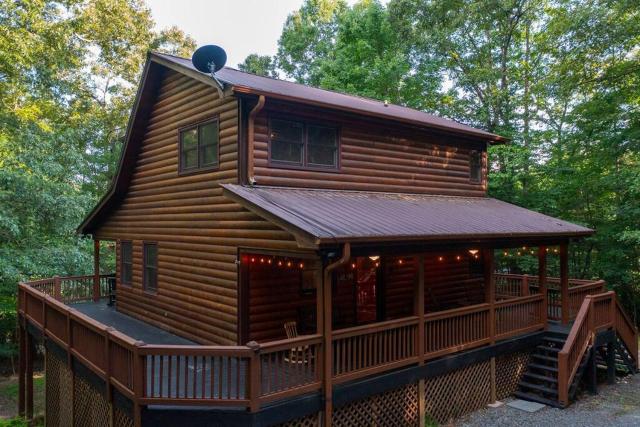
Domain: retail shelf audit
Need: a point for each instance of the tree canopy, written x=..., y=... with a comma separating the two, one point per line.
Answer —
x=560, y=78
x=68, y=75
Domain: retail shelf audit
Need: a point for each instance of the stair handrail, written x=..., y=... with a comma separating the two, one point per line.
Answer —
x=623, y=325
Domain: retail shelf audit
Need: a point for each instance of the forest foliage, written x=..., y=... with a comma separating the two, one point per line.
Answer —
x=560, y=78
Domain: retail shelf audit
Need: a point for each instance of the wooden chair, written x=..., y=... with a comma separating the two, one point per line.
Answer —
x=300, y=354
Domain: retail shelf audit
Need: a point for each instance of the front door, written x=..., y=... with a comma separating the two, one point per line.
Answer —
x=366, y=286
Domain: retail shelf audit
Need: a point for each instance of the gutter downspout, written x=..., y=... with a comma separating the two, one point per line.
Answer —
x=250, y=136
x=327, y=318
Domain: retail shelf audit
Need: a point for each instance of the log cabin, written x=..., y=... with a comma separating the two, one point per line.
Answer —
x=287, y=255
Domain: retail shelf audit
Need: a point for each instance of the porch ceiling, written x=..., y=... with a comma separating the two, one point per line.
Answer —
x=329, y=216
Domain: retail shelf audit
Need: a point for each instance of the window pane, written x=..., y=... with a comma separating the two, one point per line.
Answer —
x=286, y=130
x=209, y=155
x=126, y=258
x=322, y=136
x=286, y=152
x=475, y=166
x=189, y=148
x=209, y=144
x=151, y=254
x=150, y=266
x=321, y=155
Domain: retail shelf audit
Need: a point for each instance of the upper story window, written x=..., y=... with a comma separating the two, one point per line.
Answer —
x=475, y=166
x=126, y=263
x=301, y=144
x=150, y=267
x=199, y=146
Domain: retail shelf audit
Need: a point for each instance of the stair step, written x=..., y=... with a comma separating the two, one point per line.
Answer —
x=556, y=340
x=543, y=367
x=540, y=377
x=537, y=387
x=537, y=398
x=547, y=348
x=547, y=358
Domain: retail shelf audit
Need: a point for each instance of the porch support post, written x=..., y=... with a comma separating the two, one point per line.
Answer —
x=30, y=347
x=542, y=281
x=327, y=333
x=490, y=290
x=22, y=370
x=96, y=270
x=421, y=338
x=564, y=281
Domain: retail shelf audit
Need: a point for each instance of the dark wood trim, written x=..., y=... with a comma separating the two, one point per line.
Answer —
x=243, y=300
x=198, y=169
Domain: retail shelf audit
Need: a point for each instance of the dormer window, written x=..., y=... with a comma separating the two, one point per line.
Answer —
x=475, y=166
x=199, y=147
x=304, y=145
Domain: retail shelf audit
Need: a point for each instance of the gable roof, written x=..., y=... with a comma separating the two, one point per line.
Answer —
x=242, y=82
x=246, y=83
x=335, y=216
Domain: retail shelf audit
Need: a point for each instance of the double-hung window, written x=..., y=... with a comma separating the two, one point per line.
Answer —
x=475, y=166
x=199, y=146
x=126, y=263
x=150, y=267
x=300, y=144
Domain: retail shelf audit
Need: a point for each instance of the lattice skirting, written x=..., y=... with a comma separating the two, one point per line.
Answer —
x=313, y=420
x=509, y=370
x=458, y=392
x=88, y=407
x=58, y=390
x=397, y=407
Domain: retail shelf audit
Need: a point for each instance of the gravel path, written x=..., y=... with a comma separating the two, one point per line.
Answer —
x=614, y=405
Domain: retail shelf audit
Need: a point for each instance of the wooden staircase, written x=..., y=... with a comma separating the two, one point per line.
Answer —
x=557, y=366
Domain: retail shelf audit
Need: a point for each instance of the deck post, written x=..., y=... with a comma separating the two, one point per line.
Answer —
x=421, y=338
x=564, y=282
x=255, y=377
x=22, y=370
x=327, y=364
x=96, y=270
x=30, y=347
x=542, y=282
x=490, y=293
x=524, y=290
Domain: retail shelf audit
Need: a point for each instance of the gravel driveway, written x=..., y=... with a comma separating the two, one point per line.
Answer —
x=614, y=405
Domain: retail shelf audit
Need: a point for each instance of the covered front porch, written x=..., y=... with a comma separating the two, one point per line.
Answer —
x=377, y=319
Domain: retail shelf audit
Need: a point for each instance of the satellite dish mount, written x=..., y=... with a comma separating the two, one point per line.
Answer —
x=209, y=59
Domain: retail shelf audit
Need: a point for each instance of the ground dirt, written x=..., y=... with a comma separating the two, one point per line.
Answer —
x=614, y=405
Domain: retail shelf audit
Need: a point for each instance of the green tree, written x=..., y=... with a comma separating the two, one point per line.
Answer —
x=262, y=65
x=68, y=72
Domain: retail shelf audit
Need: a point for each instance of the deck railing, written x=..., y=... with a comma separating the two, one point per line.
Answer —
x=369, y=349
x=596, y=313
x=252, y=375
x=519, y=285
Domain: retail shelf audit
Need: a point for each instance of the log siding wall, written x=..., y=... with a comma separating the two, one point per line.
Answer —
x=374, y=158
x=198, y=231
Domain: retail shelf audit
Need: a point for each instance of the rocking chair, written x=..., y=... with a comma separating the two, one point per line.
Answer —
x=297, y=355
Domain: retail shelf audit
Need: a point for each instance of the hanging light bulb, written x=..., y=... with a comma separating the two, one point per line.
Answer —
x=253, y=260
x=400, y=261
x=440, y=258
x=301, y=265
x=473, y=251
x=457, y=257
x=279, y=263
x=353, y=265
x=269, y=261
x=374, y=257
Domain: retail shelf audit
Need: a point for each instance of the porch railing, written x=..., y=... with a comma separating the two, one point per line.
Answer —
x=254, y=374
x=519, y=285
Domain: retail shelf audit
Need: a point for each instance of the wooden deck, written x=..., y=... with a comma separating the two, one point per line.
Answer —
x=152, y=366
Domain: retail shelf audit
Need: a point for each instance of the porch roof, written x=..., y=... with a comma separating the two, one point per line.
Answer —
x=332, y=216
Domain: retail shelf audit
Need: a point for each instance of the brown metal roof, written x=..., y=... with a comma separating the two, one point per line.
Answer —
x=329, y=216
x=242, y=82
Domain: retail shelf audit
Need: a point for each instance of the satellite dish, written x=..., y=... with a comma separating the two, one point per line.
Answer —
x=209, y=58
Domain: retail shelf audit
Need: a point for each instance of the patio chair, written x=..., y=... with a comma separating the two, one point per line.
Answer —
x=298, y=355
